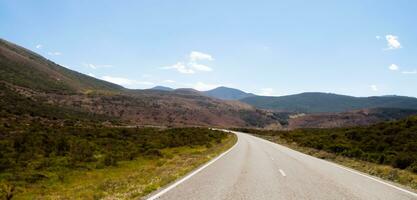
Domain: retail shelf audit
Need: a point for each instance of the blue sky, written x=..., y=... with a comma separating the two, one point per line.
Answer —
x=357, y=47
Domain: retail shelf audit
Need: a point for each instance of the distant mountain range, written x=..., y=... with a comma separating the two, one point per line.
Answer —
x=222, y=92
x=314, y=102
x=310, y=102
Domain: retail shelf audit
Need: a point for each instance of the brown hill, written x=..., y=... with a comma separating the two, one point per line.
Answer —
x=348, y=119
x=28, y=78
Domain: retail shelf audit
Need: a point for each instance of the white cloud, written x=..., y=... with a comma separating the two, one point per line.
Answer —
x=409, y=72
x=392, y=42
x=393, y=67
x=267, y=92
x=129, y=83
x=55, y=53
x=196, y=56
x=204, y=86
x=119, y=80
x=168, y=81
x=192, y=65
x=199, y=67
x=91, y=74
x=374, y=88
x=95, y=66
x=378, y=37
x=39, y=46
x=180, y=67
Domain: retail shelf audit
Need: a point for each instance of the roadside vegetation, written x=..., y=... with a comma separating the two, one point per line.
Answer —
x=38, y=161
x=387, y=150
x=59, y=152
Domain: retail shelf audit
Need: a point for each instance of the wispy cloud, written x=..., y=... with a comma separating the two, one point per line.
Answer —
x=393, y=67
x=392, y=42
x=374, y=88
x=39, y=46
x=196, y=56
x=168, y=81
x=55, y=53
x=378, y=37
x=96, y=66
x=129, y=83
x=409, y=72
x=192, y=65
x=200, y=67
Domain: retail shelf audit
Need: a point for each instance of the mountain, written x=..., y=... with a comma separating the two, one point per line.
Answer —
x=314, y=102
x=363, y=117
x=226, y=93
x=35, y=88
x=162, y=88
x=25, y=68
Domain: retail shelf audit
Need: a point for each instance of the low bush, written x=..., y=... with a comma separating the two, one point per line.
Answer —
x=31, y=153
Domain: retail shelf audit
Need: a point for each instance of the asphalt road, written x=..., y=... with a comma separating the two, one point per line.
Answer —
x=258, y=169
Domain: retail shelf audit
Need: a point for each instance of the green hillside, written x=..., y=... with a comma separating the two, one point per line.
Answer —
x=15, y=107
x=315, y=102
x=28, y=69
x=227, y=93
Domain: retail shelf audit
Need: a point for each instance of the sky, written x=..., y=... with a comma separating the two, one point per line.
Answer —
x=355, y=47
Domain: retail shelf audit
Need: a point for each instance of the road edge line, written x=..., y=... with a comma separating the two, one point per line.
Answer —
x=175, y=184
x=377, y=179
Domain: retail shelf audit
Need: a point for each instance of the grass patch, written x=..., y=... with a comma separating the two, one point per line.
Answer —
x=128, y=180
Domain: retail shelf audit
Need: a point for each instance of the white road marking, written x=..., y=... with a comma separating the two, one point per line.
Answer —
x=160, y=193
x=375, y=179
x=342, y=167
x=282, y=172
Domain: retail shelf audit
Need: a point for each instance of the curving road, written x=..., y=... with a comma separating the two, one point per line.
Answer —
x=258, y=169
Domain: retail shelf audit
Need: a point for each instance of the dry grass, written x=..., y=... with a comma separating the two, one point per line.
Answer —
x=128, y=180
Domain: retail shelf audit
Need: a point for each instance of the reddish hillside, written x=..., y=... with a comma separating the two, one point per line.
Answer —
x=349, y=119
x=26, y=74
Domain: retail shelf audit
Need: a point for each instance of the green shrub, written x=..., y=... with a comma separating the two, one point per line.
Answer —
x=26, y=152
x=402, y=161
x=153, y=153
x=110, y=160
x=393, y=143
x=413, y=167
